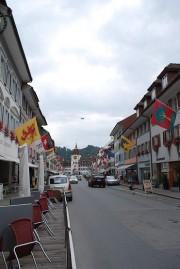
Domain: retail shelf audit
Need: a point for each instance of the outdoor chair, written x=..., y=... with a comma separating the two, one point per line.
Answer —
x=51, y=198
x=38, y=221
x=25, y=241
x=50, y=206
x=43, y=202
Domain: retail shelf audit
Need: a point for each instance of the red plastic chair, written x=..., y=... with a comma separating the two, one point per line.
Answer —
x=25, y=241
x=43, y=202
x=51, y=196
x=38, y=220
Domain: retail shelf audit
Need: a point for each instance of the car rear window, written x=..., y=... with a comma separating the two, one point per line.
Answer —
x=58, y=180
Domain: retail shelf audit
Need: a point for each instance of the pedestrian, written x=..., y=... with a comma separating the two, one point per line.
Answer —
x=33, y=182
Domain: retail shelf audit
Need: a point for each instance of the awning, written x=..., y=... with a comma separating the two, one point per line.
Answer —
x=127, y=166
x=9, y=159
x=32, y=165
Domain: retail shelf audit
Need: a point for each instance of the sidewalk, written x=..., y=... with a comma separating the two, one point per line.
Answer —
x=173, y=192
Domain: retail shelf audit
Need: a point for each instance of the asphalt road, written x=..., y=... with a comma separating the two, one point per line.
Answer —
x=114, y=228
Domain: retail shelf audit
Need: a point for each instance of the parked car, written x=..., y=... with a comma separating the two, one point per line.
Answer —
x=97, y=180
x=61, y=182
x=79, y=177
x=73, y=179
x=111, y=180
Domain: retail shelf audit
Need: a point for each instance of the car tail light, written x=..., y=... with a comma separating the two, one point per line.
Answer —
x=69, y=187
x=93, y=179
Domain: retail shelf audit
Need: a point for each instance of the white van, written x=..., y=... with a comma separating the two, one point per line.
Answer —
x=61, y=182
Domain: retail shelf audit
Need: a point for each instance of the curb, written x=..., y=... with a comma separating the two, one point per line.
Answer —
x=154, y=192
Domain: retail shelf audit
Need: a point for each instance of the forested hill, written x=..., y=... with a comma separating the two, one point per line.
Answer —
x=85, y=152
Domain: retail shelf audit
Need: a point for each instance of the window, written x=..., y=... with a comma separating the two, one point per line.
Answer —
x=153, y=94
x=177, y=131
x=167, y=136
x=178, y=99
x=164, y=82
x=12, y=123
x=6, y=119
x=145, y=104
x=156, y=140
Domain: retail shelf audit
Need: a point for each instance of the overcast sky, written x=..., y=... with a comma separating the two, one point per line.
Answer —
x=94, y=59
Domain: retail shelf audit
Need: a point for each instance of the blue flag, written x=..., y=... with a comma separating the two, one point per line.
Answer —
x=110, y=154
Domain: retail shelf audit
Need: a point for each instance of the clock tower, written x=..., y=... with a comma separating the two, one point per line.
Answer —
x=75, y=157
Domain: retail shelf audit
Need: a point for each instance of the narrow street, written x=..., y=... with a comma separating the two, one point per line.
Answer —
x=114, y=228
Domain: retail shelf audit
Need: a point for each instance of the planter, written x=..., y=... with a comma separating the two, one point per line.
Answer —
x=12, y=136
x=156, y=148
x=167, y=143
x=176, y=141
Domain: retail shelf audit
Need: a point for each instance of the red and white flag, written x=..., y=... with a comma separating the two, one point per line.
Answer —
x=44, y=141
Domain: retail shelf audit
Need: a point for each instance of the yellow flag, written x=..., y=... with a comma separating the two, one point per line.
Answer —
x=125, y=144
x=28, y=132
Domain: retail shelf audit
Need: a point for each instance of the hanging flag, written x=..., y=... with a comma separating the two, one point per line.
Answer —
x=39, y=146
x=103, y=161
x=125, y=144
x=28, y=132
x=110, y=154
x=44, y=141
x=163, y=115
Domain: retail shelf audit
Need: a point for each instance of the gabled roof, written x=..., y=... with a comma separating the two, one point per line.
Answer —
x=124, y=123
x=169, y=68
x=11, y=38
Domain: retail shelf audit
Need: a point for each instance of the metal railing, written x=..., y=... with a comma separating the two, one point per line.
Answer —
x=70, y=256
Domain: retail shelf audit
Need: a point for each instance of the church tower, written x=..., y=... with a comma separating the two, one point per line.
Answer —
x=75, y=157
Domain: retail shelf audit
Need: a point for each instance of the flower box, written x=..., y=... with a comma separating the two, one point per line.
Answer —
x=12, y=136
x=176, y=140
x=167, y=143
x=156, y=148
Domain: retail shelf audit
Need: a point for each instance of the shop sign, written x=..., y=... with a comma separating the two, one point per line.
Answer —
x=147, y=186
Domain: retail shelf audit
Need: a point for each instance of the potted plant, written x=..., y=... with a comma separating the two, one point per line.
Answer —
x=176, y=140
x=156, y=148
x=167, y=143
x=12, y=135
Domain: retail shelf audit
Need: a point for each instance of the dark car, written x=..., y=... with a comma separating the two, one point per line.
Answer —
x=97, y=180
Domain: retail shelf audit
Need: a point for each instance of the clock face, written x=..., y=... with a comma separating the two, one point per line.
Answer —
x=75, y=157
